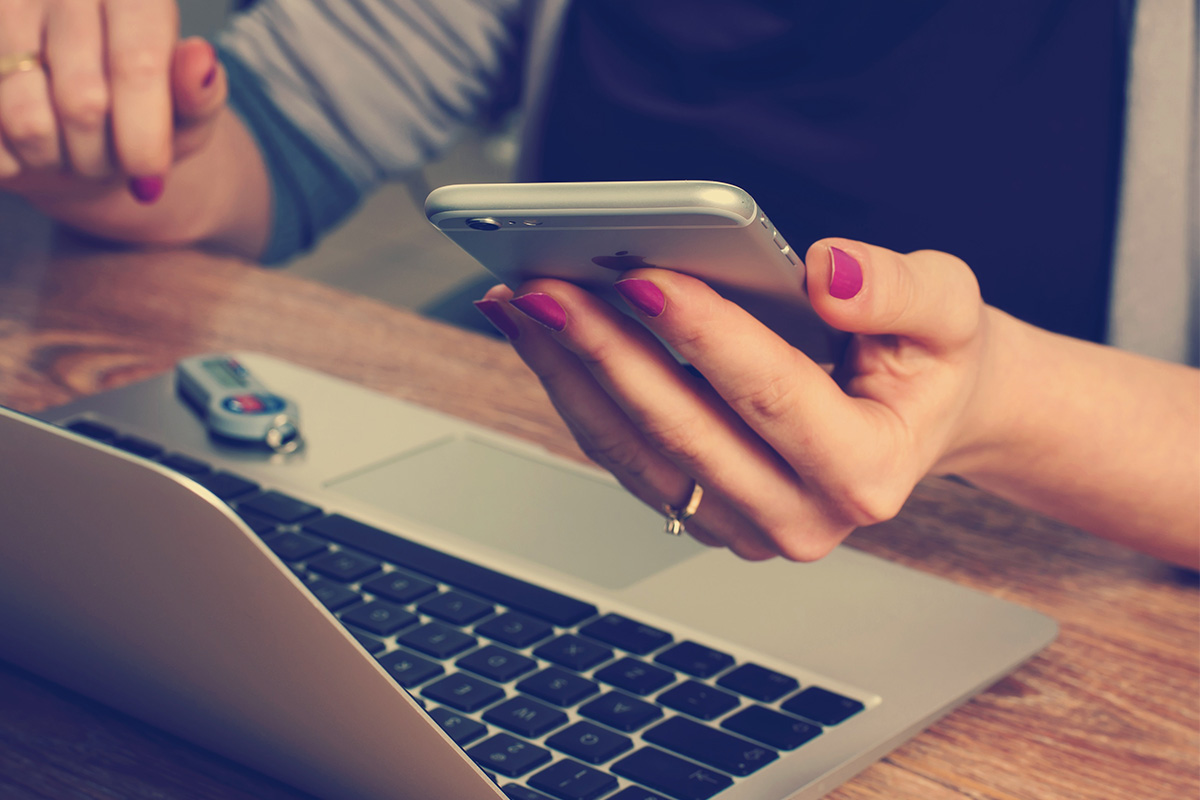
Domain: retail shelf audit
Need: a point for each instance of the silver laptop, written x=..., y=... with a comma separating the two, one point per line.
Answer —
x=411, y=606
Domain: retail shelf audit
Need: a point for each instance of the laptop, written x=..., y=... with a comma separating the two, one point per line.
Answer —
x=412, y=606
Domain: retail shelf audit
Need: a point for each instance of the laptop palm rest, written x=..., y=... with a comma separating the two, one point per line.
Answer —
x=574, y=522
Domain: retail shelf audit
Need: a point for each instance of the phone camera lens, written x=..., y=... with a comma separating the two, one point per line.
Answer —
x=483, y=224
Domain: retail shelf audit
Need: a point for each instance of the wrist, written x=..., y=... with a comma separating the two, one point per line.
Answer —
x=986, y=435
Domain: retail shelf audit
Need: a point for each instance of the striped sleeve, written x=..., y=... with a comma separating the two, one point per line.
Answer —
x=377, y=87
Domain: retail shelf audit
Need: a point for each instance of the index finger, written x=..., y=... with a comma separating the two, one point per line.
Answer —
x=141, y=39
x=784, y=396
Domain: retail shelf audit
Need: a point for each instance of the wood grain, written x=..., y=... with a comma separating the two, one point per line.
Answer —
x=1110, y=710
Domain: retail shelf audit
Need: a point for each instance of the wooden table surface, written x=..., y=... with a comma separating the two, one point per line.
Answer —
x=1110, y=710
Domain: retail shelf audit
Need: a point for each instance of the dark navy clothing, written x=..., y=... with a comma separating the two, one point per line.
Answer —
x=988, y=130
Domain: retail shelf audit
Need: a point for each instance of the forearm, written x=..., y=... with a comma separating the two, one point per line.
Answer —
x=217, y=197
x=1100, y=438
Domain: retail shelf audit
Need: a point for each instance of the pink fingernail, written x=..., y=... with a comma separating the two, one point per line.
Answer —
x=147, y=189
x=495, y=315
x=542, y=308
x=212, y=73
x=846, y=280
x=642, y=295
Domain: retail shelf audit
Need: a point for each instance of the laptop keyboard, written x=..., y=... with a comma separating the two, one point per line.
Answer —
x=551, y=696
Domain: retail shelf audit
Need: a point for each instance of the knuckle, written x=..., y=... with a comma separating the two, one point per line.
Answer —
x=864, y=507
x=618, y=454
x=32, y=134
x=692, y=339
x=678, y=437
x=752, y=552
x=801, y=541
x=770, y=396
x=809, y=548
x=596, y=354
x=85, y=107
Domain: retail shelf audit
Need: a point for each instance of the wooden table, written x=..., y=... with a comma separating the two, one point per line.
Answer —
x=1110, y=710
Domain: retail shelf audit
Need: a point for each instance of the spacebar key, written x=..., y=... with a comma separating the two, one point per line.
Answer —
x=672, y=776
x=536, y=601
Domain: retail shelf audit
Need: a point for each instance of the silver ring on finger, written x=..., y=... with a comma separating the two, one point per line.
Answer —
x=676, y=515
x=20, y=62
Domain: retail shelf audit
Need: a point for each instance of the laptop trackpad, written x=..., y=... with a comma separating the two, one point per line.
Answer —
x=512, y=501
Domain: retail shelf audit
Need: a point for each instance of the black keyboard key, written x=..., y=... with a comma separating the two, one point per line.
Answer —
x=399, y=587
x=344, y=566
x=437, y=640
x=263, y=526
x=409, y=669
x=508, y=755
x=637, y=793
x=558, y=686
x=463, y=730
x=590, y=743
x=185, y=465
x=570, y=780
x=698, y=699
x=280, y=506
x=671, y=775
x=540, y=602
x=92, y=430
x=138, y=446
x=515, y=629
x=369, y=643
x=525, y=716
x=758, y=682
x=627, y=634
x=380, y=618
x=770, y=727
x=497, y=664
x=332, y=595
x=695, y=659
x=225, y=485
x=573, y=652
x=821, y=705
x=464, y=692
x=635, y=676
x=455, y=608
x=293, y=546
x=515, y=791
x=710, y=746
x=620, y=711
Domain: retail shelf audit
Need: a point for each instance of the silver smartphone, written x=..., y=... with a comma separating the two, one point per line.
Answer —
x=590, y=233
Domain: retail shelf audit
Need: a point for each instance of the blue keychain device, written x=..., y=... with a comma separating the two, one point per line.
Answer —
x=236, y=405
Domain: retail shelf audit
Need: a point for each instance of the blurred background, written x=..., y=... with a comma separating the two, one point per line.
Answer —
x=387, y=249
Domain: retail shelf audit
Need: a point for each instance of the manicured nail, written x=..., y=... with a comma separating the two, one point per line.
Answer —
x=642, y=295
x=211, y=75
x=542, y=308
x=495, y=315
x=846, y=280
x=146, y=189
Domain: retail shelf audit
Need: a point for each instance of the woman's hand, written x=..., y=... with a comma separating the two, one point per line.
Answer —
x=107, y=102
x=791, y=459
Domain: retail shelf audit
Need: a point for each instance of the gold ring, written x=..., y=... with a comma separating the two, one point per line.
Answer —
x=677, y=515
x=20, y=62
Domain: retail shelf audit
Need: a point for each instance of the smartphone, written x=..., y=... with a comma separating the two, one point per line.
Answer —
x=590, y=233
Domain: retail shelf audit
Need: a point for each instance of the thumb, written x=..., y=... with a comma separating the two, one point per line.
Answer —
x=926, y=296
x=199, y=89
